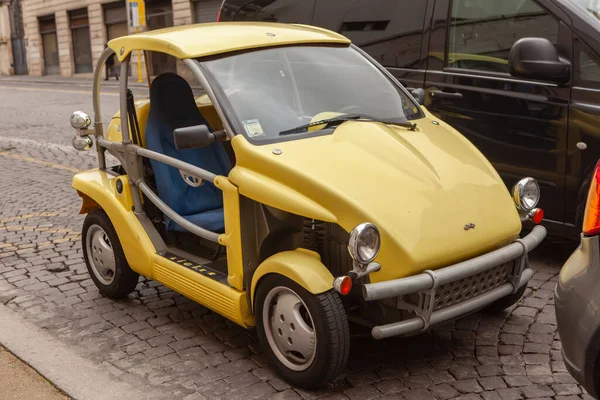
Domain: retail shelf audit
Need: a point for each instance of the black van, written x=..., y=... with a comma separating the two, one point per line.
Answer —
x=519, y=78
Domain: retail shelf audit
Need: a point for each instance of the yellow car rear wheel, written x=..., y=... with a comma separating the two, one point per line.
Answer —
x=104, y=257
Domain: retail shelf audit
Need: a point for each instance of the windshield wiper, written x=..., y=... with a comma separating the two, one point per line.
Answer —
x=330, y=122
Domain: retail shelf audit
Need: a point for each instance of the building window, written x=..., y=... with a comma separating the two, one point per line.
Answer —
x=159, y=14
x=49, y=45
x=82, y=48
x=115, y=19
x=206, y=10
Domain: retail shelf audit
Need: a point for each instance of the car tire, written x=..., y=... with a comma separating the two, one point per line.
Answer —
x=506, y=301
x=104, y=257
x=307, y=337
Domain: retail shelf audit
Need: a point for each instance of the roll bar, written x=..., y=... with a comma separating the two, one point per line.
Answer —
x=131, y=154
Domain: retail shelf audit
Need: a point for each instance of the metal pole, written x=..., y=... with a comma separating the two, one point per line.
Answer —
x=139, y=60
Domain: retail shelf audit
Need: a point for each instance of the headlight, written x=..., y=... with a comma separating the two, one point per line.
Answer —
x=526, y=194
x=364, y=243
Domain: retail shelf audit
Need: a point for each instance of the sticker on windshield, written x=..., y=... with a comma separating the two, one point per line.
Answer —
x=253, y=128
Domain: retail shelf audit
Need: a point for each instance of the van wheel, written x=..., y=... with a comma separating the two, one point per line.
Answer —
x=507, y=301
x=104, y=257
x=306, y=336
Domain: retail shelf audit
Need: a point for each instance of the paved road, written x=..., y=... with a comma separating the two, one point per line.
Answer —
x=159, y=338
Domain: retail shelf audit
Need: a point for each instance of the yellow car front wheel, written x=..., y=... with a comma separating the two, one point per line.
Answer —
x=306, y=336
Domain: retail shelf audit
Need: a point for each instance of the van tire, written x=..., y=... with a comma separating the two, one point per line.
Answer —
x=98, y=230
x=330, y=327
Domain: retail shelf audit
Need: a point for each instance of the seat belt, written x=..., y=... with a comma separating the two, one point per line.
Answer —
x=134, y=126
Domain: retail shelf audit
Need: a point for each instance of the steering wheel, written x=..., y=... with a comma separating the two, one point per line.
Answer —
x=191, y=180
x=348, y=109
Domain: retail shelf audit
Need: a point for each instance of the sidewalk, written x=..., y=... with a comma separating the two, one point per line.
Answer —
x=78, y=377
x=18, y=381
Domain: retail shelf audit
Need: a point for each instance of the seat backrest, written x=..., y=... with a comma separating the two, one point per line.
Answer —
x=172, y=106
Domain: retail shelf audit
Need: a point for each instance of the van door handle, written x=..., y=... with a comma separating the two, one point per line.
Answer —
x=438, y=94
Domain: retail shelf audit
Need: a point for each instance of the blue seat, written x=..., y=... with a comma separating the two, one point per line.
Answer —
x=172, y=106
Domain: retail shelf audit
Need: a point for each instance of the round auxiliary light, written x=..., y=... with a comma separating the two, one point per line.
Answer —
x=364, y=243
x=526, y=194
x=82, y=143
x=80, y=120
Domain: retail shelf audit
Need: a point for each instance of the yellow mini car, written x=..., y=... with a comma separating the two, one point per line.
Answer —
x=303, y=188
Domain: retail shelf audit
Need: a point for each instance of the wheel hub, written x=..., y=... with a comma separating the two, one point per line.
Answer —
x=289, y=329
x=100, y=254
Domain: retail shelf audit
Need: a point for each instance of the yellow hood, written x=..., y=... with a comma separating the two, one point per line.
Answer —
x=419, y=187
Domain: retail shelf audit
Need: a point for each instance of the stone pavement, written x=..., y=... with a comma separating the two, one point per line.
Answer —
x=159, y=339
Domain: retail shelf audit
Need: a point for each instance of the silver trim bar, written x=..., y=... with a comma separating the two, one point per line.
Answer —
x=418, y=324
x=173, y=162
x=425, y=281
x=178, y=219
x=98, y=126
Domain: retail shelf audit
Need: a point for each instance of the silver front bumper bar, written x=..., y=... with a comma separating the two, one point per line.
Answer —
x=428, y=282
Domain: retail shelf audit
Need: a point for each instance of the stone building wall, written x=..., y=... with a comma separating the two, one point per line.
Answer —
x=5, y=43
x=59, y=10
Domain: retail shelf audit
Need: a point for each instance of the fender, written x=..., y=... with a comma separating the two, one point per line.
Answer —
x=302, y=266
x=98, y=190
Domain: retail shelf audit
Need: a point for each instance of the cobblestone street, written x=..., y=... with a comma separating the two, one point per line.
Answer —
x=160, y=339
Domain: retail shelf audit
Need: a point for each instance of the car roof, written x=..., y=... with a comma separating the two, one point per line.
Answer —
x=201, y=40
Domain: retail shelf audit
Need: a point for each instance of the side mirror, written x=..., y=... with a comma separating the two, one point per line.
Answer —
x=536, y=58
x=419, y=95
x=193, y=137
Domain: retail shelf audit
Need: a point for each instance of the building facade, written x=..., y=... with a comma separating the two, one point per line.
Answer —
x=66, y=37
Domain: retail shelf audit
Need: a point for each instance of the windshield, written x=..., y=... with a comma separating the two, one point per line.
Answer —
x=280, y=89
x=591, y=6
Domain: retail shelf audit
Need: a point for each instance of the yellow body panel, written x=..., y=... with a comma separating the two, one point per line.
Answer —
x=225, y=300
x=100, y=187
x=302, y=266
x=142, y=108
x=232, y=239
x=201, y=40
x=419, y=187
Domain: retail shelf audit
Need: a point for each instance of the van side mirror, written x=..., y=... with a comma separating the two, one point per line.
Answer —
x=537, y=58
x=193, y=137
x=419, y=95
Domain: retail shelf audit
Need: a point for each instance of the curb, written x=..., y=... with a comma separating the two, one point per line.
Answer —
x=74, y=375
x=69, y=81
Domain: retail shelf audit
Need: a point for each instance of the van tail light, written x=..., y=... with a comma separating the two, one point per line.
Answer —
x=591, y=219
